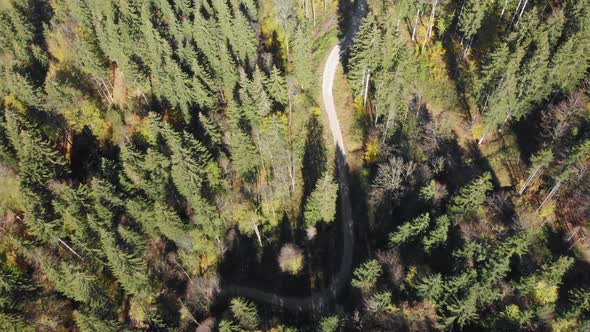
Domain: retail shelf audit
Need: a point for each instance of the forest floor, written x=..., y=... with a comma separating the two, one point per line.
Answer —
x=352, y=136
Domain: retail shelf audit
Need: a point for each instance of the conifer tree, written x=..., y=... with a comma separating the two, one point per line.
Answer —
x=409, y=230
x=438, y=235
x=88, y=322
x=245, y=313
x=303, y=59
x=471, y=197
x=366, y=275
x=277, y=87
x=364, y=53
x=321, y=205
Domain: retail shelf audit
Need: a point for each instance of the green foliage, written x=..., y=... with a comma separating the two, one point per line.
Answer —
x=277, y=87
x=365, y=53
x=409, y=230
x=366, y=275
x=431, y=287
x=245, y=313
x=75, y=283
x=321, y=205
x=87, y=322
x=438, y=235
x=329, y=324
x=227, y=326
x=428, y=192
x=303, y=59
x=470, y=198
x=13, y=323
x=378, y=302
x=542, y=158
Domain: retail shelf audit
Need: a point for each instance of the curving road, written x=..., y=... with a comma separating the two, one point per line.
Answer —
x=319, y=301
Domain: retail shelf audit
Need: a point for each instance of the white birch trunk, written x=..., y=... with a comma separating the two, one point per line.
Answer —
x=550, y=196
x=60, y=241
x=366, y=87
x=257, y=234
x=481, y=139
x=528, y=180
x=291, y=162
x=573, y=233
x=415, y=25
x=504, y=9
x=313, y=11
x=430, y=24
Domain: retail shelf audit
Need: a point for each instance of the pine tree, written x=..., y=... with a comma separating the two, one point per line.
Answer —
x=409, y=230
x=365, y=276
x=365, y=53
x=245, y=312
x=303, y=59
x=470, y=198
x=14, y=323
x=277, y=87
x=471, y=17
x=88, y=322
x=321, y=205
x=129, y=268
x=438, y=236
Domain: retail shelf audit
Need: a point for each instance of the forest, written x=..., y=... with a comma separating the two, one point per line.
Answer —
x=294, y=165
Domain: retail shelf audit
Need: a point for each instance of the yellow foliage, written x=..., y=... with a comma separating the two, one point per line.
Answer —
x=512, y=312
x=208, y=260
x=358, y=104
x=436, y=63
x=11, y=102
x=291, y=259
x=5, y=5
x=547, y=210
x=564, y=325
x=138, y=308
x=58, y=44
x=477, y=130
x=544, y=293
x=411, y=275
x=87, y=114
x=372, y=150
x=316, y=111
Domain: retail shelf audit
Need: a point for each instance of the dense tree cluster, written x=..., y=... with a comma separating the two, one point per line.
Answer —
x=134, y=136
x=481, y=109
x=155, y=152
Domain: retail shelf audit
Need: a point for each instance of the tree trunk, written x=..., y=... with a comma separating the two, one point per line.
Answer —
x=60, y=241
x=291, y=162
x=430, y=24
x=578, y=240
x=528, y=180
x=481, y=139
x=504, y=9
x=366, y=87
x=313, y=11
x=550, y=195
x=257, y=234
x=459, y=16
x=415, y=25
x=515, y=13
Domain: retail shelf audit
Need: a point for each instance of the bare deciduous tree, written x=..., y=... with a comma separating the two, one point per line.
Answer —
x=394, y=178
